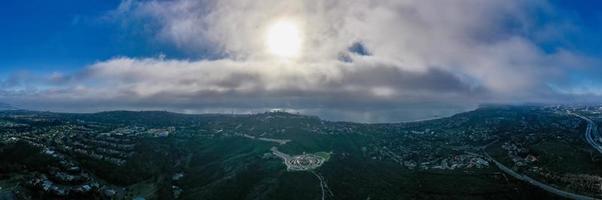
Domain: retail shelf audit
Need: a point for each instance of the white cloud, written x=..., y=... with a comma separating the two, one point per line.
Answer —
x=423, y=53
x=479, y=39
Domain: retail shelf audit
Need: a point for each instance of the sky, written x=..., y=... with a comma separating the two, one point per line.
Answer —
x=352, y=60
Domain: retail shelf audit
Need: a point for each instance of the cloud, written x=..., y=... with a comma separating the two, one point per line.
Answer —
x=490, y=41
x=200, y=86
x=388, y=60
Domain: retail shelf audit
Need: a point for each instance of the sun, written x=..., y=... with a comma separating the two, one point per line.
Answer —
x=283, y=39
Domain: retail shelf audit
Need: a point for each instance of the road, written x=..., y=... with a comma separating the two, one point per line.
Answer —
x=323, y=185
x=279, y=141
x=284, y=156
x=592, y=129
x=538, y=184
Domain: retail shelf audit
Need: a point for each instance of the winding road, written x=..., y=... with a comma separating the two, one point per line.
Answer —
x=592, y=129
x=539, y=184
x=323, y=186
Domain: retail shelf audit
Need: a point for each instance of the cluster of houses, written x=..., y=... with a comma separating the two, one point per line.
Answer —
x=114, y=150
x=66, y=180
x=463, y=161
x=48, y=187
x=9, y=124
x=515, y=153
x=425, y=157
x=160, y=132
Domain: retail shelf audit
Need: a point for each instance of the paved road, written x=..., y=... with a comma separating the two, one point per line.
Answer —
x=324, y=186
x=592, y=129
x=321, y=183
x=279, y=141
x=538, y=184
x=284, y=156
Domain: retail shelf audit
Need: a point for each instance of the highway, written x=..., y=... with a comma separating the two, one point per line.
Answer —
x=538, y=184
x=592, y=129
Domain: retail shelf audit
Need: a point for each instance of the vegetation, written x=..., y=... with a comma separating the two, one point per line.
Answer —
x=222, y=157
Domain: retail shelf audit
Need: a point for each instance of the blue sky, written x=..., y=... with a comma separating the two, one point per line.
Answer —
x=66, y=35
x=587, y=20
x=49, y=35
x=210, y=56
x=62, y=34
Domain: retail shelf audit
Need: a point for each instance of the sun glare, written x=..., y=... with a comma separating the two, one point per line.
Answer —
x=283, y=39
